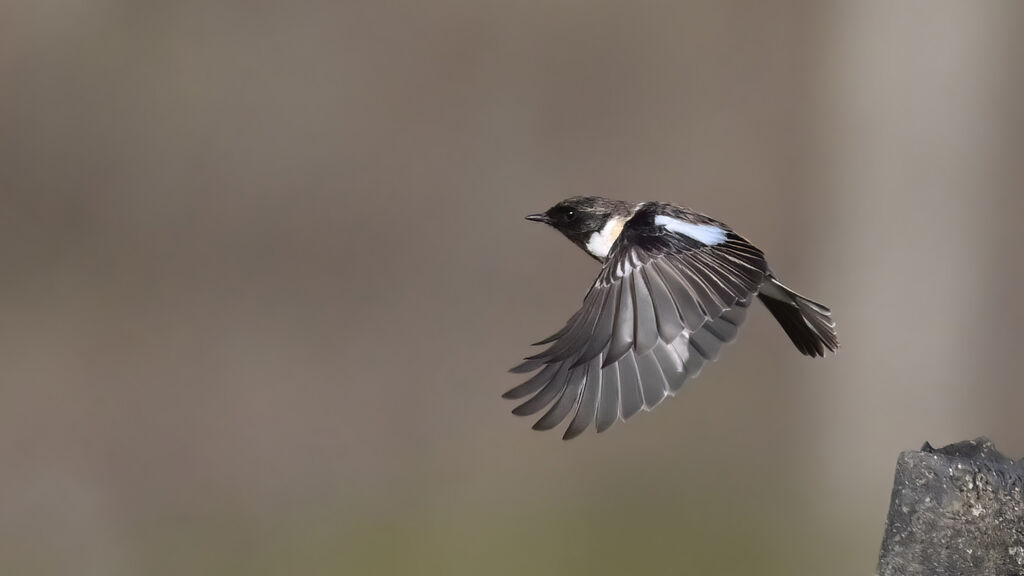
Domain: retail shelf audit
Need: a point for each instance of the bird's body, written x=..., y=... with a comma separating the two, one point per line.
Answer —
x=674, y=287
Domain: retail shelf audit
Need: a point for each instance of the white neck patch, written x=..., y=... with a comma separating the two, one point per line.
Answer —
x=708, y=234
x=600, y=242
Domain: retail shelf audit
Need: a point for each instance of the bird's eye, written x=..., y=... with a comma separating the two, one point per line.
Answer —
x=570, y=215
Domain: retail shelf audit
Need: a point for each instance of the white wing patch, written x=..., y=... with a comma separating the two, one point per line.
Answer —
x=708, y=234
x=600, y=242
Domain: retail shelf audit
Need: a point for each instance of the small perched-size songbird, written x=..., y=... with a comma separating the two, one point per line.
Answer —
x=674, y=287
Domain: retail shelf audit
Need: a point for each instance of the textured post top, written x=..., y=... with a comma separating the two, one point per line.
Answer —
x=955, y=510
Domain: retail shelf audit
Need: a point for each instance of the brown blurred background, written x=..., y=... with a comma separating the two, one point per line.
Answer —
x=264, y=268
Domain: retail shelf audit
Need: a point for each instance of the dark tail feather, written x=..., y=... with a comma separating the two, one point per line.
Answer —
x=808, y=324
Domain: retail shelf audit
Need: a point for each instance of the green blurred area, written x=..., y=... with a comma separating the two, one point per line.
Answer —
x=648, y=537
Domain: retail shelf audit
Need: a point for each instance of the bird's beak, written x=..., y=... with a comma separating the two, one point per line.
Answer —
x=539, y=218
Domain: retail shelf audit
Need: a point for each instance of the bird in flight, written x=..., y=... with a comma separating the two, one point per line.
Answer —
x=674, y=287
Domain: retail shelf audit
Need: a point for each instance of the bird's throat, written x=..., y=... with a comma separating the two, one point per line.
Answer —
x=600, y=242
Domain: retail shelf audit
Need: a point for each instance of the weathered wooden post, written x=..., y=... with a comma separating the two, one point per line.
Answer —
x=956, y=510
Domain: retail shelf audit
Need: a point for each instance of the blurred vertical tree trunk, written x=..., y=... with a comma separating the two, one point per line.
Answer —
x=913, y=148
x=1005, y=314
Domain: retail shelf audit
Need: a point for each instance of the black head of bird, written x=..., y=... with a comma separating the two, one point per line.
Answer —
x=583, y=220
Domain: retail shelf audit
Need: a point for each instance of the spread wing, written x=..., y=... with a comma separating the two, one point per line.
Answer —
x=675, y=287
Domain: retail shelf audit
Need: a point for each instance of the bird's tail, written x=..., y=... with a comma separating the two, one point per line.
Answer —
x=808, y=324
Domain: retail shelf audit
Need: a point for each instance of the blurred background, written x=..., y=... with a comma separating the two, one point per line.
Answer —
x=265, y=266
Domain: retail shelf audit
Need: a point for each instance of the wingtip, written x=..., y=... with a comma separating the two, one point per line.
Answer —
x=570, y=433
x=526, y=366
x=543, y=425
x=524, y=409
